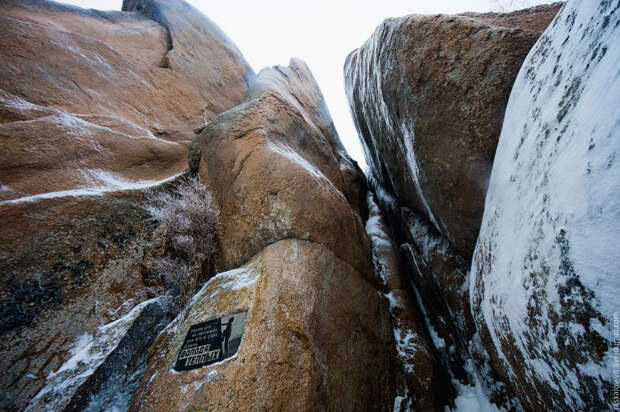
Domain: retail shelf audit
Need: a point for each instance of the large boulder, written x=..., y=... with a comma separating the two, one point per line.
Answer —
x=323, y=330
x=99, y=100
x=316, y=335
x=95, y=109
x=428, y=95
x=272, y=161
x=544, y=279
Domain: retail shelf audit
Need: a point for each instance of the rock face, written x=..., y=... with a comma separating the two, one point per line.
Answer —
x=97, y=112
x=427, y=381
x=105, y=368
x=266, y=157
x=315, y=335
x=428, y=95
x=544, y=284
x=95, y=108
x=102, y=100
x=299, y=261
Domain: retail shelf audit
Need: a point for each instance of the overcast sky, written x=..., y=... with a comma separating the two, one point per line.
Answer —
x=320, y=32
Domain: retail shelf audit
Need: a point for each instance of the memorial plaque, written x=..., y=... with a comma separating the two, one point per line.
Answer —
x=211, y=341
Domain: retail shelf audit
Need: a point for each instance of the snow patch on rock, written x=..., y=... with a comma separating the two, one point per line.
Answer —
x=103, y=182
x=71, y=384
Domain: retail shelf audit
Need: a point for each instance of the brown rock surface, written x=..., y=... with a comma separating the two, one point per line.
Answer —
x=316, y=338
x=428, y=95
x=94, y=108
x=92, y=99
x=67, y=266
x=279, y=171
x=427, y=386
x=319, y=335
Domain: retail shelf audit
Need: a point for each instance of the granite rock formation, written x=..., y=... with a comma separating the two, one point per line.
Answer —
x=98, y=112
x=544, y=281
x=293, y=206
x=90, y=119
x=531, y=323
x=97, y=100
x=428, y=95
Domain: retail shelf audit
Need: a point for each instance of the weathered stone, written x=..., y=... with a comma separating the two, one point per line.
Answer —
x=278, y=169
x=316, y=337
x=427, y=385
x=428, y=95
x=439, y=276
x=544, y=279
x=85, y=101
x=66, y=266
x=104, y=370
x=94, y=109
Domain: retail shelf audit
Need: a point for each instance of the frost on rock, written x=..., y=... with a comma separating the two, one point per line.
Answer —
x=368, y=73
x=472, y=398
x=104, y=369
x=384, y=254
x=100, y=182
x=544, y=282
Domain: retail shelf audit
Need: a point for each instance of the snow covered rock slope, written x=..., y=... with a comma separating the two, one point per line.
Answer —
x=545, y=279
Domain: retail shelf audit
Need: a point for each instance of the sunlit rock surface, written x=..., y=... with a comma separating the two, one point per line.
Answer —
x=101, y=100
x=95, y=109
x=545, y=283
x=98, y=109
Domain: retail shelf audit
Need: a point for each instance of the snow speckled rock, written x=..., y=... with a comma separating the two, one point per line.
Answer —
x=67, y=265
x=440, y=282
x=279, y=171
x=426, y=382
x=545, y=274
x=428, y=95
x=318, y=336
x=104, y=369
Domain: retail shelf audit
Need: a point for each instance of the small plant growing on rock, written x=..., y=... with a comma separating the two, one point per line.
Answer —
x=186, y=237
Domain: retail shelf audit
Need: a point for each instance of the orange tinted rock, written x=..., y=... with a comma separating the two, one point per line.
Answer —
x=279, y=171
x=91, y=103
x=317, y=336
x=83, y=91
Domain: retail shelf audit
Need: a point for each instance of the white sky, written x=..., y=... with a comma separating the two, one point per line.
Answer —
x=320, y=32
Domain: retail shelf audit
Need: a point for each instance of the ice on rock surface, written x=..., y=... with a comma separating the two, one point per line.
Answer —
x=97, y=372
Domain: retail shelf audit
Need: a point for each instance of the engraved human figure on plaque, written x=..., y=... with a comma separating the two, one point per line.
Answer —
x=211, y=341
x=226, y=334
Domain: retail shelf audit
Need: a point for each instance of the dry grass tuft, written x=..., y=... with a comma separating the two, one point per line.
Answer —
x=186, y=237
